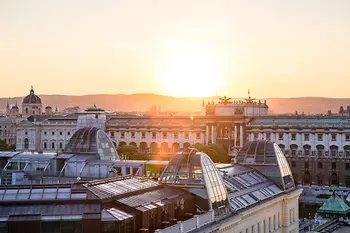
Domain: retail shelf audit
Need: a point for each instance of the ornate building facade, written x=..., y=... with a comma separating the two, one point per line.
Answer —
x=317, y=148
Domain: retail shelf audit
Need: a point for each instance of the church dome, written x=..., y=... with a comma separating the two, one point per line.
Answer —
x=92, y=141
x=32, y=98
x=267, y=157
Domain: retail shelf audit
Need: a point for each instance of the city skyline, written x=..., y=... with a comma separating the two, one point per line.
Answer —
x=176, y=48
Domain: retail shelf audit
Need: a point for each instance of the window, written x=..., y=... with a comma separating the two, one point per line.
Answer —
x=269, y=224
x=198, y=135
x=280, y=136
x=26, y=133
x=53, y=145
x=176, y=135
x=334, y=166
x=53, y=133
x=319, y=165
x=143, y=135
x=306, y=165
x=319, y=137
x=334, y=137
x=61, y=145
x=347, y=166
x=154, y=134
x=68, y=133
x=293, y=163
x=122, y=134
x=294, y=136
x=164, y=135
x=61, y=133
x=132, y=134
x=45, y=133
x=306, y=137
x=268, y=136
x=186, y=135
x=347, y=137
x=112, y=134
x=274, y=222
x=45, y=145
x=258, y=227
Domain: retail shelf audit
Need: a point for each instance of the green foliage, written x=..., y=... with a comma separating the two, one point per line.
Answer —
x=6, y=147
x=215, y=152
x=131, y=152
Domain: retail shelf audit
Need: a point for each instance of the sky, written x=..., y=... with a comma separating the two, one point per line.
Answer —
x=274, y=48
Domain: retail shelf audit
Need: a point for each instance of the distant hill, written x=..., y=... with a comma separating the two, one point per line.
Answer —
x=142, y=102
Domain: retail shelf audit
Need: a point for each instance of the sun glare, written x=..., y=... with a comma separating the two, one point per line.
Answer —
x=190, y=71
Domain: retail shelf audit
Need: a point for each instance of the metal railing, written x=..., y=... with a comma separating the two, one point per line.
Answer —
x=189, y=225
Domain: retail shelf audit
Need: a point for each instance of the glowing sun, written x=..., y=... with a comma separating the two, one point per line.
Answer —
x=190, y=71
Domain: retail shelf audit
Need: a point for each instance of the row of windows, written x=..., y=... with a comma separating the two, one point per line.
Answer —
x=154, y=135
x=53, y=145
x=60, y=133
x=281, y=136
x=320, y=165
x=272, y=224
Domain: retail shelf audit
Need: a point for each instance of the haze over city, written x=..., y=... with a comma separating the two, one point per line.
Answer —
x=176, y=48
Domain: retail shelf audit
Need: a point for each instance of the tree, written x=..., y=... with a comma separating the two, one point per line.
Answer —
x=214, y=151
x=130, y=152
x=6, y=147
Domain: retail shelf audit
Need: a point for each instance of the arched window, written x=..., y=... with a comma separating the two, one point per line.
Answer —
x=175, y=147
x=294, y=148
x=320, y=150
x=143, y=147
x=45, y=145
x=26, y=143
x=53, y=145
x=334, y=150
x=27, y=110
x=306, y=149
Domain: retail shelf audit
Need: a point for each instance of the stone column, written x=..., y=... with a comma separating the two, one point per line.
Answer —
x=212, y=134
x=207, y=132
x=241, y=135
x=235, y=136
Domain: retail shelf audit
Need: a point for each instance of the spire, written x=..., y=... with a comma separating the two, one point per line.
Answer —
x=203, y=104
x=7, y=105
x=31, y=90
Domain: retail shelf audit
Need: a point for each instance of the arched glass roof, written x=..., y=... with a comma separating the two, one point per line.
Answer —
x=267, y=157
x=92, y=140
x=197, y=173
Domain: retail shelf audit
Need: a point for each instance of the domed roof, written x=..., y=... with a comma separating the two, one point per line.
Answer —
x=268, y=158
x=32, y=98
x=48, y=107
x=196, y=172
x=91, y=141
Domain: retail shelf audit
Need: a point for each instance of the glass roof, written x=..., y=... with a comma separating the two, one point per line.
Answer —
x=266, y=157
x=117, y=186
x=92, y=140
x=195, y=171
x=45, y=193
x=246, y=186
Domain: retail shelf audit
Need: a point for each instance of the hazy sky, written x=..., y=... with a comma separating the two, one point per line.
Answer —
x=274, y=48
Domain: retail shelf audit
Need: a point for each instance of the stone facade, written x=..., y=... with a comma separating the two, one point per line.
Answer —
x=317, y=148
